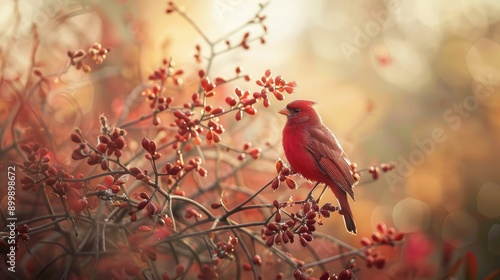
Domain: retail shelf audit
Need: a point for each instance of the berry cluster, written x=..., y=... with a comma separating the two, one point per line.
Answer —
x=301, y=223
x=284, y=173
x=225, y=250
x=166, y=72
x=95, y=53
x=383, y=236
x=345, y=274
x=110, y=143
x=40, y=173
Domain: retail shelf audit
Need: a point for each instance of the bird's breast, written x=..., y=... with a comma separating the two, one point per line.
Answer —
x=295, y=142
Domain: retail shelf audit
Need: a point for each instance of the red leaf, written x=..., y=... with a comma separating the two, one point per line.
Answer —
x=493, y=275
x=122, y=179
x=382, y=228
x=365, y=241
x=453, y=270
x=145, y=143
x=471, y=266
x=279, y=166
x=108, y=180
x=291, y=184
x=145, y=228
x=219, y=80
x=205, y=83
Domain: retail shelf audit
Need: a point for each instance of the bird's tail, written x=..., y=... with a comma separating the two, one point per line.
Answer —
x=349, y=222
x=346, y=212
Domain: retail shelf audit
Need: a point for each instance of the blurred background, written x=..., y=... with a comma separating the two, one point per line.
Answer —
x=415, y=83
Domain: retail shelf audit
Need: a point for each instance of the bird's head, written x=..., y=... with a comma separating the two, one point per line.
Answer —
x=300, y=111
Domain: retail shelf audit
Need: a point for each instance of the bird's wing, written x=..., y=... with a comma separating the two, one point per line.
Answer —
x=331, y=159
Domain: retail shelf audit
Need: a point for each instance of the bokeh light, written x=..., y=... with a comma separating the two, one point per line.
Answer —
x=494, y=239
x=411, y=215
x=459, y=229
x=385, y=74
x=487, y=200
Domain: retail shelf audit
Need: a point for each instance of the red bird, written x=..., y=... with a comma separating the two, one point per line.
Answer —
x=313, y=151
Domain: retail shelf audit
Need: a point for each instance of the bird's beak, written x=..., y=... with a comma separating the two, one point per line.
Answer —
x=284, y=111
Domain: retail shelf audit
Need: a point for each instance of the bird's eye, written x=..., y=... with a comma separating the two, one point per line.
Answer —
x=296, y=110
